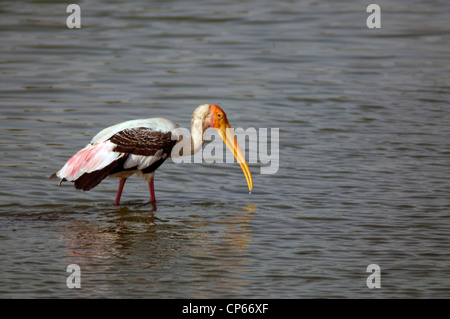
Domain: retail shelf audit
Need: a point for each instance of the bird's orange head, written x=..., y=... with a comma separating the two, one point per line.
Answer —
x=220, y=123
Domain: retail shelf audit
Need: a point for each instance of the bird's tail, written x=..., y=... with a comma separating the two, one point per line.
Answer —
x=55, y=175
x=87, y=168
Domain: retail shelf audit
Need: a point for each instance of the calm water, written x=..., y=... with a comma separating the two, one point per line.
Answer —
x=364, y=149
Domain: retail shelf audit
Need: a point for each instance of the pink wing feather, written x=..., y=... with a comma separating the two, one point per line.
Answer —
x=91, y=158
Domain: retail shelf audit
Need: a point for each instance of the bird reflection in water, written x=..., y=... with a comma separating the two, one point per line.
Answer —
x=131, y=241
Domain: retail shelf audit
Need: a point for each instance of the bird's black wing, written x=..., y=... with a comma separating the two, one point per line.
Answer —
x=143, y=141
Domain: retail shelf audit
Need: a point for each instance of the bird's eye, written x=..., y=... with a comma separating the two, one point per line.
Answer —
x=219, y=115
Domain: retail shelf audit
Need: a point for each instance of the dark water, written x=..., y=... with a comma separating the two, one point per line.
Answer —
x=364, y=149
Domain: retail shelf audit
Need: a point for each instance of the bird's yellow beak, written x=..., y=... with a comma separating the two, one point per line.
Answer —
x=222, y=126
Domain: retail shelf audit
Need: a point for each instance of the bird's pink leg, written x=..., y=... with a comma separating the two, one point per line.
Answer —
x=152, y=191
x=119, y=191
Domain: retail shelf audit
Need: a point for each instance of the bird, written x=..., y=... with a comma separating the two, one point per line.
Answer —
x=141, y=146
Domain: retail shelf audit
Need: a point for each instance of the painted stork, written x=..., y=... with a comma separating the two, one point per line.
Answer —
x=141, y=146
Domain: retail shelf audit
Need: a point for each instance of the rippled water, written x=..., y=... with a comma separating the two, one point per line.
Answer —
x=364, y=149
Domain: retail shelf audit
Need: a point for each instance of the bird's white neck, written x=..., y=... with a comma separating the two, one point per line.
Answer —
x=196, y=139
x=199, y=123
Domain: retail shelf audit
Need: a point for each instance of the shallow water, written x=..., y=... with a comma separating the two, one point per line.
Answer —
x=364, y=149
